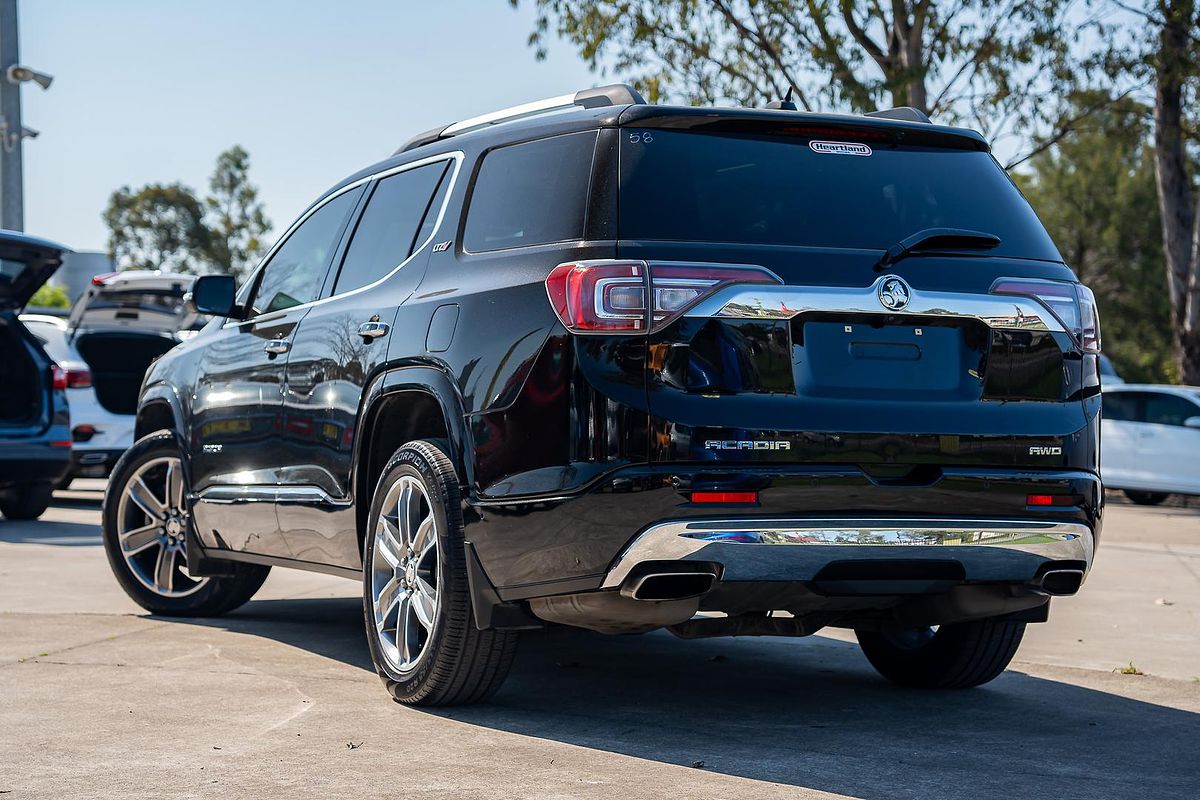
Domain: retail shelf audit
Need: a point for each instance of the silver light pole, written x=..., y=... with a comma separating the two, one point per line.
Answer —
x=12, y=132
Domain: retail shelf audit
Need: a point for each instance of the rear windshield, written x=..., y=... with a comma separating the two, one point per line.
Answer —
x=148, y=309
x=689, y=186
x=168, y=303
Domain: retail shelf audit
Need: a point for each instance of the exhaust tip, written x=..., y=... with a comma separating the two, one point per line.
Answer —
x=1062, y=581
x=669, y=585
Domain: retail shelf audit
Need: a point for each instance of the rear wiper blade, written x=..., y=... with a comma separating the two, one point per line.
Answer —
x=938, y=239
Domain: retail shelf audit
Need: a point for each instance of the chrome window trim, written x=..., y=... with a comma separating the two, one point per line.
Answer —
x=456, y=156
x=766, y=301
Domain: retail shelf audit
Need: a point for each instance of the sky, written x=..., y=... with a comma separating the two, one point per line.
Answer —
x=152, y=90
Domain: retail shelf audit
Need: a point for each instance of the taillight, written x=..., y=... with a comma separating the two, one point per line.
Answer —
x=1073, y=304
x=79, y=378
x=609, y=296
x=58, y=377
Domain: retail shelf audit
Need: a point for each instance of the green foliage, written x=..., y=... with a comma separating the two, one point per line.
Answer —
x=169, y=227
x=237, y=221
x=159, y=226
x=51, y=295
x=997, y=67
x=1095, y=193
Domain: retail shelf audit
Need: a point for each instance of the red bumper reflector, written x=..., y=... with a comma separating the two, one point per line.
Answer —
x=1051, y=500
x=724, y=497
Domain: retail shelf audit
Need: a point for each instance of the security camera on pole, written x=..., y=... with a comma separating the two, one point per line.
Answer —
x=12, y=133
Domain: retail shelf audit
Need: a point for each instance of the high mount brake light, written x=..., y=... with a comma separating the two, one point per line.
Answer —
x=609, y=296
x=1073, y=303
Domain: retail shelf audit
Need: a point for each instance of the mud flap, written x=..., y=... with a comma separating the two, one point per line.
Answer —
x=492, y=613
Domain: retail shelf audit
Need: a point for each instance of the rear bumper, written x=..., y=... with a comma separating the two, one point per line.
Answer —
x=862, y=556
x=818, y=515
x=23, y=463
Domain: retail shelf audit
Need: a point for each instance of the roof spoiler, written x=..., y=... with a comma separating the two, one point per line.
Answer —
x=617, y=94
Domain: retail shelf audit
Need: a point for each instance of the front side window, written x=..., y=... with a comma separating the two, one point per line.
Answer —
x=296, y=271
x=531, y=193
x=387, y=230
x=1169, y=409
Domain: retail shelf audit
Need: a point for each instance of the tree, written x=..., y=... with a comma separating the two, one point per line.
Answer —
x=159, y=226
x=169, y=227
x=237, y=221
x=1176, y=71
x=50, y=295
x=1095, y=192
x=1158, y=43
x=996, y=66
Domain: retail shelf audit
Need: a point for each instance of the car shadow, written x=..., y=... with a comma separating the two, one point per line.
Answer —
x=807, y=713
x=66, y=498
x=62, y=534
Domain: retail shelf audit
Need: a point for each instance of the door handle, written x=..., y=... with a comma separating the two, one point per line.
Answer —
x=277, y=347
x=373, y=330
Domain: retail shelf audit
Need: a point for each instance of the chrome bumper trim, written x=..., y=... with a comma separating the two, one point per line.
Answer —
x=727, y=541
x=784, y=302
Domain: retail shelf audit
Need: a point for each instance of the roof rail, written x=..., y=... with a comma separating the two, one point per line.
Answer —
x=906, y=113
x=617, y=94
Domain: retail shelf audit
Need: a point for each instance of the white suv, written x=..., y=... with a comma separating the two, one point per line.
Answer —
x=98, y=435
x=1150, y=441
x=121, y=324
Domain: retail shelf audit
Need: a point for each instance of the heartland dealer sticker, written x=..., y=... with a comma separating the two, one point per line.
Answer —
x=840, y=148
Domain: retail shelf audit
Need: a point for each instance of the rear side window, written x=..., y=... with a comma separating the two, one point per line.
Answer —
x=387, y=230
x=531, y=193
x=747, y=189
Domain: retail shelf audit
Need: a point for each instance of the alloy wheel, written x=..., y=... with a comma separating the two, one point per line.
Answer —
x=152, y=519
x=404, y=574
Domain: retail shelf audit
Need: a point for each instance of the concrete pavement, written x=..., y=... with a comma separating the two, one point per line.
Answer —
x=279, y=698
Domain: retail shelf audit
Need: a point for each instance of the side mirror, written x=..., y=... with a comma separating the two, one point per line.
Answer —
x=1192, y=422
x=214, y=294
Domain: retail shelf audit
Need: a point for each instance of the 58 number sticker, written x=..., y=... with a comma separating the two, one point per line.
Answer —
x=643, y=137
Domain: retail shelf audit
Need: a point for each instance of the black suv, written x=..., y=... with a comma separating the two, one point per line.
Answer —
x=622, y=366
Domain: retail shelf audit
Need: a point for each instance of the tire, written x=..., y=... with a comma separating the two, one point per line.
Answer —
x=65, y=481
x=1146, y=498
x=147, y=553
x=29, y=501
x=956, y=656
x=416, y=602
